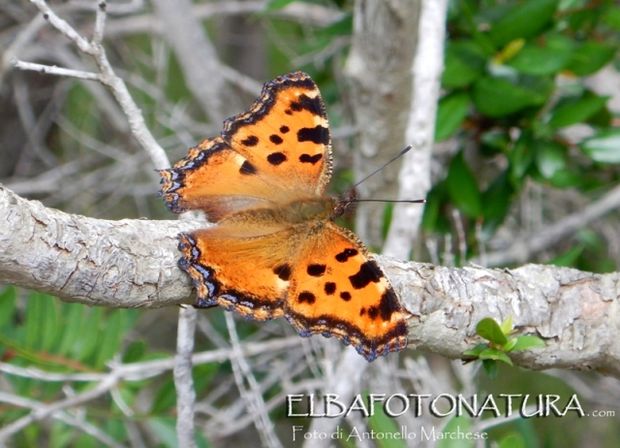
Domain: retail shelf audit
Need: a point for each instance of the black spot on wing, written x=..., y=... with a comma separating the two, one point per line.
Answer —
x=369, y=272
x=389, y=304
x=276, y=158
x=330, y=288
x=317, y=134
x=306, y=296
x=283, y=271
x=373, y=312
x=275, y=139
x=284, y=129
x=343, y=256
x=345, y=295
x=247, y=168
x=250, y=140
x=316, y=270
x=313, y=105
x=307, y=158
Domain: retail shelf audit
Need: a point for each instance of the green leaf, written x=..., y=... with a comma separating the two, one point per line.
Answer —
x=451, y=112
x=523, y=20
x=512, y=440
x=508, y=346
x=381, y=423
x=463, y=188
x=603, y=147
x=590, y=57
x=528, y=341
x=576, y=110
x=611, y=18
x=455, y=425
x=506, y=325
x=8, y=296
x=111, y=336
x=568, y=258
x=73, y=315
x=550, y=157
x=544, y=57
x=431, y=218
x=491, y=331
x=497, y=199
x=165, y=398
x=490, y=367
x=495, y=355
x=475, y=351
x=134, y=352
x=85, y=347
x=494, y=141
x=464, y=62
x=521, y=158
x=34, y=325
x=164, y=431
x=274, y=5
x=51, y=332
x=498, y=97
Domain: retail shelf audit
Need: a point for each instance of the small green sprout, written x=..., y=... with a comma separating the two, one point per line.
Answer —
x=499, y=344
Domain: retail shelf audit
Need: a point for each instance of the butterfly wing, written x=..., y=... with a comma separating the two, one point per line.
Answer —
x=244, y=269
x=337, y=289
x=276, y=152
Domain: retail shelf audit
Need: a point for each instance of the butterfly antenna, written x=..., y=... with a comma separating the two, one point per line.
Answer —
x=350, y=196
x=396, y=157
x=392, y=201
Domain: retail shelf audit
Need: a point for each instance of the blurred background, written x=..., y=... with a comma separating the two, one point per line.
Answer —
x=526, y=141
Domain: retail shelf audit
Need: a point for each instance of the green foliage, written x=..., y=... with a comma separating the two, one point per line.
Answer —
x=40, y=331
x=382, y=423
x=462, y=187
x=513, y=83
x=454, y=425
x=512, y=440
x=498, y=344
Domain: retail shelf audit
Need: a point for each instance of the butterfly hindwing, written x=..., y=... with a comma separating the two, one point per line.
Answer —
x=337, y=289
x=243, y=274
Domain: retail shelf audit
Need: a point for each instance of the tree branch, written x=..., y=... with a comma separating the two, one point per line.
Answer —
x=132, y=263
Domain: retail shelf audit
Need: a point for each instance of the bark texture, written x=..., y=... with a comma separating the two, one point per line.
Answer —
x=122, y=264
x=379, y=72
x=132, y=263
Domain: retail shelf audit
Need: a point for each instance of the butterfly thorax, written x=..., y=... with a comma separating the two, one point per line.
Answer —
x=294, y=212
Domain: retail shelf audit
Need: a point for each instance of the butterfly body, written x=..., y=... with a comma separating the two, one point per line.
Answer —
x=275, y=250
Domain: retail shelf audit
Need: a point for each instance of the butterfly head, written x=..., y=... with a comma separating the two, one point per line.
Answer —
x=343, y=203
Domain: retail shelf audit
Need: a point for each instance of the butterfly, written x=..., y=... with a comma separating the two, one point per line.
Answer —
x=275, y=250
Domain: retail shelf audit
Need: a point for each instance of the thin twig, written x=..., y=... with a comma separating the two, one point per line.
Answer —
x=56, y=71
x=45, y=411
x=522, y=249
x=253, y=396
x=100, y=19
x=64, y=27
x=184, y=384
x=109, y=78
x=78, y=423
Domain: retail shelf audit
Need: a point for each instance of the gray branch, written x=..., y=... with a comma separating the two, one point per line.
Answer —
x=132, y=263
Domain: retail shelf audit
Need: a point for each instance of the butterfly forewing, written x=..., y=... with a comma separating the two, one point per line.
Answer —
x=286, y=136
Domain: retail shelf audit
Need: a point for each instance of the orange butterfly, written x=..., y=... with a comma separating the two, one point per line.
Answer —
x=275, y=250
